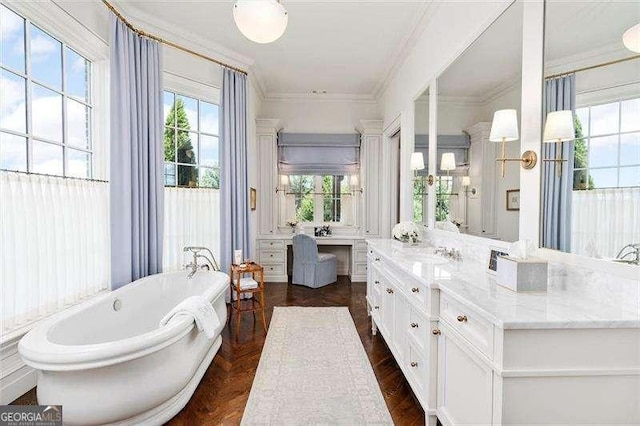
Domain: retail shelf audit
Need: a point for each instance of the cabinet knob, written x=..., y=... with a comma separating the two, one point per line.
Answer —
x=462, y=318
x=377, y=259
x=415, y=290
x=376, y=307
x=436, y=332
x=270, y=255
x=414, y=325
x=376, y=282
x=389, y=290
x=414, y=364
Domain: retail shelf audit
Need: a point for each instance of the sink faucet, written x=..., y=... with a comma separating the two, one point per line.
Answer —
x=635, y=251
x=211, y=263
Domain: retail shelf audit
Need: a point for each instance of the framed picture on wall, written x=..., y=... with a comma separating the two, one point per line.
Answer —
x=253, y=195
x=513, y=199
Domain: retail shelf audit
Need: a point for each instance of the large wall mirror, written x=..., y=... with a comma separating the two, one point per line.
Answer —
x=475, y=194
x=419, y=159
x=591, y=144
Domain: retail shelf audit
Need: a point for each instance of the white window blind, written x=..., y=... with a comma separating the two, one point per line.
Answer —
x=54, y=237
x=191, y=218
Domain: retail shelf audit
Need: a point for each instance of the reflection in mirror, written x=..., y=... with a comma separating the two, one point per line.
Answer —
x=473, y=196
x=591, y=150
x=419, y=159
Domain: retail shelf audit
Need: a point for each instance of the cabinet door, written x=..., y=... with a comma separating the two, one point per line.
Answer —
x=465, y=382
x=401, y=308
x=387, y=307
x=372, y=165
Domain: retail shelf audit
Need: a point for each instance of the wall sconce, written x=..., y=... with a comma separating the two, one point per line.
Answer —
x=558, y=128
x=466, y=181
x=417, y=163
x=448, y=162
x=354, y=183
x=284, y=183
x=504, y=128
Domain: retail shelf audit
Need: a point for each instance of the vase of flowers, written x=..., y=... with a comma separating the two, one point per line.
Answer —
x=406, y=232
x=292, y=223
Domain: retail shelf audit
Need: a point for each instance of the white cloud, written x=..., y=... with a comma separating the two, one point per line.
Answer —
x=11, y=24
x=42, y=47
x=12, y=104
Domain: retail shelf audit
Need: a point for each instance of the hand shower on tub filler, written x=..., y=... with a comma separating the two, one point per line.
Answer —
x=210, y=260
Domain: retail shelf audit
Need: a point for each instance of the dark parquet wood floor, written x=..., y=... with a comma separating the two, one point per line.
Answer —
x=223, y=392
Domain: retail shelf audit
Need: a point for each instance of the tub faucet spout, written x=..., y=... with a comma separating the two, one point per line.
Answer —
x=210, y=261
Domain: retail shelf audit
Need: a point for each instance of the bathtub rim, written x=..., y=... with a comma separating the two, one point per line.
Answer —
x=40, y=353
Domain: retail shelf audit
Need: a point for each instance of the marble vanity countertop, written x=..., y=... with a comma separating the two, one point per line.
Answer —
x=576, y=298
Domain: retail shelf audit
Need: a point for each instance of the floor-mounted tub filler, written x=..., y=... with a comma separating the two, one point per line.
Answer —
x=109, y=361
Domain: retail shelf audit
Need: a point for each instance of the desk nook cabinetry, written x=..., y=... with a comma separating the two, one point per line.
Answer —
x=477, y=353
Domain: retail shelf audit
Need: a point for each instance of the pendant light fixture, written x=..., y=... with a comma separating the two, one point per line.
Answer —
x=631, y=38
x=261, y=21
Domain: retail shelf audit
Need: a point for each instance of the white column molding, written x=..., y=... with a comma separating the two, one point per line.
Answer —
x=407, y=146
x=267, y=206
x=531, y=116
x=433, y=151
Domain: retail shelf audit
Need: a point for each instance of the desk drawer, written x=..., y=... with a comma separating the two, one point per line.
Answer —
x=477, y=330
x=271, y=244
x=360, y=256
x=272, y=256
x=360, y=269
x=360, y=245
x=272, y=270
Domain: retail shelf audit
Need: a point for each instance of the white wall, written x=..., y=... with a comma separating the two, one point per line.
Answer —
x=319, y=115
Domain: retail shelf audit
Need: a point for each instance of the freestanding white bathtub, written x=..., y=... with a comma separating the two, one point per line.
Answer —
x=107, y=361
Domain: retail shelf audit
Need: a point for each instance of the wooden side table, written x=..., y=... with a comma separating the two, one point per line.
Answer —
x=257, y=273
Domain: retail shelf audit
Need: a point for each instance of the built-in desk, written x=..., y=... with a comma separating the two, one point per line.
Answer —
x=272, y=254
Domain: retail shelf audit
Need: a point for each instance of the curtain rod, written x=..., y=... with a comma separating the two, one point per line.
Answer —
x=20, y=172
x=617, y=61
x=166, y=42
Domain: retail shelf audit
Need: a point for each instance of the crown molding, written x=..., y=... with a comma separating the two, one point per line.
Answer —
x=608, y=52
x=327, y=97
x=182, y=36
x=418, y=27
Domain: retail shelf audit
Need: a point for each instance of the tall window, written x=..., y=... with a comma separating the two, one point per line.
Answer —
x=45, y=102
x=607, y=148
x=320, y=197
x=191, y=142
x=444, y=188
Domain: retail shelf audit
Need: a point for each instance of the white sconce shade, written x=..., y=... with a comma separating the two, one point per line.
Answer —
x=466, y=181
x=284, y=180
x=559, y=127
x=505, y=126
x=353, y=181
x=417, y=161
x=631, y=38
x=261, y=21
x=448, y=161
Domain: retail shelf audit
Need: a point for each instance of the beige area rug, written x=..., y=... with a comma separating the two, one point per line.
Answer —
x=314, y=370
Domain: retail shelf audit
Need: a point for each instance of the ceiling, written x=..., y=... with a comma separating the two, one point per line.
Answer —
x=586, y=29
x=347, y=48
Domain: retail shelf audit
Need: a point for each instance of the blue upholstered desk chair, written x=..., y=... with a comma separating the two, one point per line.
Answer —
x=311, y=268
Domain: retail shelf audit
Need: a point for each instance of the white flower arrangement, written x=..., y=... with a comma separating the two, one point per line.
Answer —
x=293, y=222
x=407, y=232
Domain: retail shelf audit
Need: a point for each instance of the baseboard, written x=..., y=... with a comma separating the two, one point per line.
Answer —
x=16, y=378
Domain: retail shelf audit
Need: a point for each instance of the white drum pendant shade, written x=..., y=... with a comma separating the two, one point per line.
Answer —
x=261, y=21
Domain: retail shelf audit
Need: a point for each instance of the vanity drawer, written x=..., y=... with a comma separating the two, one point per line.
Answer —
x=271, y=244
x=477, y=330
x=272, y=256
x=418, y=327
x=360, y=245
x=417, y=369
x=272, y=270
x=360, y=256
x=417, y=291
x=360, y=269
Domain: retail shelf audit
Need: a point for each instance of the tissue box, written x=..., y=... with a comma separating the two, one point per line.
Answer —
x=522, y=275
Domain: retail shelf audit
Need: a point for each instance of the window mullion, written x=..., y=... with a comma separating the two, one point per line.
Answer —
x=65, y=130
x=28, y=88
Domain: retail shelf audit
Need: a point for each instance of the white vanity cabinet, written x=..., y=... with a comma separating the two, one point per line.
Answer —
x=513, y=366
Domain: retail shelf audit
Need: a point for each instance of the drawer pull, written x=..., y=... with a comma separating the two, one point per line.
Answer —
x=414, y=325
x=414, y=364
x=376, y=282
x=390, y=290
x=462, y=318
x=436, y=332
x=377, y=259
x=270, y=255
x=376, y=307
x=415, y=290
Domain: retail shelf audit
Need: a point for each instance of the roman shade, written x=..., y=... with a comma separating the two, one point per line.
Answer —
x=458, y=144
x=318, y=154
